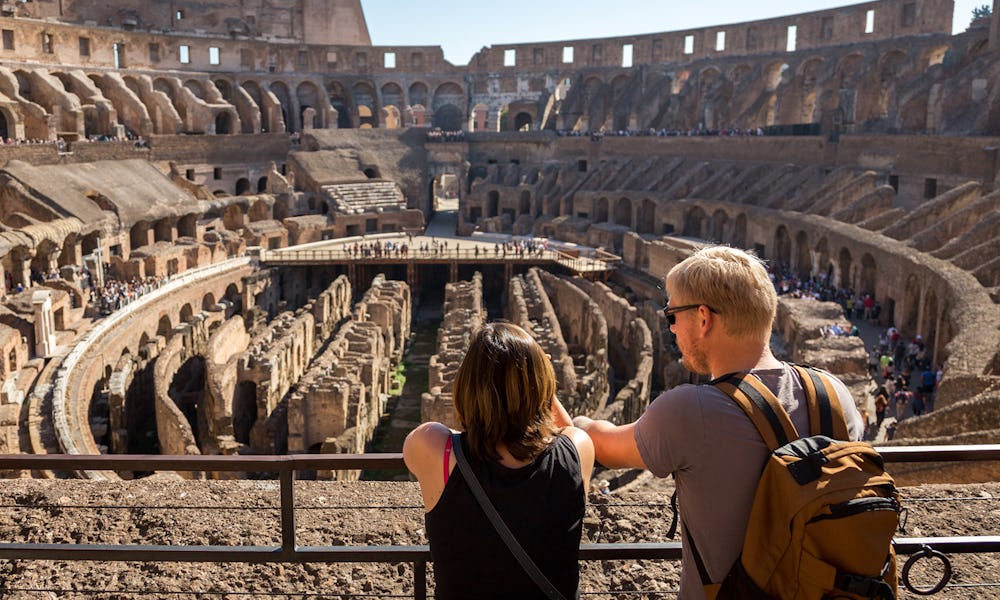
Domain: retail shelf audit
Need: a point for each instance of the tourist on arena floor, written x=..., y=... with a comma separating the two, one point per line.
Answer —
x=721, y=308
x=533, y=464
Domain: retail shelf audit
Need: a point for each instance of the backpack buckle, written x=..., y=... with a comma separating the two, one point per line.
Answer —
x=866, y=587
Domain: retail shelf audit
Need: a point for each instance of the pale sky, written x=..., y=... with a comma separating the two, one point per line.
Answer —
x=463, y=28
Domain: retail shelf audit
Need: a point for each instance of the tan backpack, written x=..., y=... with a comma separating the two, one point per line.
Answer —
x=825, y=511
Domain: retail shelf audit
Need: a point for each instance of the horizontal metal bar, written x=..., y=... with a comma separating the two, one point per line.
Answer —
x=394, y=554
x=141, y=462
x=953, y=545
x=901, y=454
x=276, y=464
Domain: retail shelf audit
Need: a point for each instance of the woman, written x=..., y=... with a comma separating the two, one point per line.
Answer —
x=534, y=466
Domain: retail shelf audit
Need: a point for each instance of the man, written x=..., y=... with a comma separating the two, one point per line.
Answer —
x=721, y=308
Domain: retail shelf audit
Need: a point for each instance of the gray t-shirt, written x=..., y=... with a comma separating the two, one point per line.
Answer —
x=716, y=455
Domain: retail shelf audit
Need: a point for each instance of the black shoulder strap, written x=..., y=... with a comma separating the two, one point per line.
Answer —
x=826, y=414
x=522, y=557
x=761, y=406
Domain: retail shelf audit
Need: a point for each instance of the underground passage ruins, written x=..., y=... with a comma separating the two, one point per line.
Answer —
x=224, y=226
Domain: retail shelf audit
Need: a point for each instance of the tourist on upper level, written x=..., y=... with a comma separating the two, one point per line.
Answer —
x=533, y=464
x=721, y=309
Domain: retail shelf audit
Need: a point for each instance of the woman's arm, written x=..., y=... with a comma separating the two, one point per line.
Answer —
x=585, y=450
x=423, y=453
x=560, y=417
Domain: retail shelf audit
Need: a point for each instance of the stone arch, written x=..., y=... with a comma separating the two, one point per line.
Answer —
x=929, y=319
x=448, y=93
x=478, y=120
x=623, y=212
x=933, y=56
x=620, y=107
x=164, y=327
x=187, y=226
x=164, y=86
x=242, y=186
x=233, y=217
x=740, y=231
x=308, y=96
x=419, y=94
x=449, y=118
x=869, y=274
x=257, y=95
x=365, y=98
x=234, y=297
x=647, y=216
x=694, y=219
x=259, y=211
x=823, y=262
x=849, y=69
x=225, y=88
x=774, y=74
x=7, y=123
x=782, y=247
x=392, y=95
x=739, y=73
x=224, y=123
x=523, y=121
x=493, y=204
x=601, y=215
x=911, y=304
x=594, y=105
x=809, y=72
x=208, y=301
x=197, y=88
x=262, y=185
x=163, y=230
x=845, y=264
x=803, y=259
x=186, y=313
x=391, y=117
x=341, y=102
x=244, y=410
x=288, y=112
x=139, y=235
x=719, y=220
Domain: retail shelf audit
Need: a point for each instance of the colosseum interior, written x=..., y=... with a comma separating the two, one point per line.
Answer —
x=236, y=230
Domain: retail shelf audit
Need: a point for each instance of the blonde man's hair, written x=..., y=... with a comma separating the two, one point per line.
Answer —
x=503, y=392
x=733, y=282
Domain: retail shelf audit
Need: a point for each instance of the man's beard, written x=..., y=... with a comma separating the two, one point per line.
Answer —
x=695, y=360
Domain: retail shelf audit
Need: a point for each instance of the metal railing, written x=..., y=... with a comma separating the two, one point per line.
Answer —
x=593, y=261
x=290, y=552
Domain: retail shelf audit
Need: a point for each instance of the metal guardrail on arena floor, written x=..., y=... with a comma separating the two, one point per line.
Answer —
x=917, y=548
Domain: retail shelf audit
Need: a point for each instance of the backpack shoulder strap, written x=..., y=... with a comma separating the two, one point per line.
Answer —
x=826, y=414
x=761, y=406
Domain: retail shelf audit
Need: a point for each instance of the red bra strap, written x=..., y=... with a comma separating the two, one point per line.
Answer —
x=447, y=459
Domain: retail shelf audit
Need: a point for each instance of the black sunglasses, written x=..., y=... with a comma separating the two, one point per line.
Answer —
x=670, y=311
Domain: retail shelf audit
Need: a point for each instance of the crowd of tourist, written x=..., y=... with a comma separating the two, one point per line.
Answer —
x=663, y=132
x=907, y=380
x=62, y=146
x=437, y=135
x=118, y=294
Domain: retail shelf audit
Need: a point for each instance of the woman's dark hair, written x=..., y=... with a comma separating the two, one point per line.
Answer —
x=503, y=393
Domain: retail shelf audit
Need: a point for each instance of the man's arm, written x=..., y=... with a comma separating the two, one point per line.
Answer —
x=614, y=445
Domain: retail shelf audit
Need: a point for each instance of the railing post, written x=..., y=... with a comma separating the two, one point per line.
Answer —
x=287, y=478
x=420, y=580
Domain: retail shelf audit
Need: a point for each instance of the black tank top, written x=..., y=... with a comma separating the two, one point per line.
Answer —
x=542, y=503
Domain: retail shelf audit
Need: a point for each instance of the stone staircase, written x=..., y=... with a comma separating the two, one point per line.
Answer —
x=365, y=197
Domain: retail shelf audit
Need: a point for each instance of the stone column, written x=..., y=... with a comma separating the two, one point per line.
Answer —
x=45, y=328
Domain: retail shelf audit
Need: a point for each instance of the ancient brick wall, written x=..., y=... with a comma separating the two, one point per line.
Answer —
x=630, y=352
x=463, y=312
x=585, y=331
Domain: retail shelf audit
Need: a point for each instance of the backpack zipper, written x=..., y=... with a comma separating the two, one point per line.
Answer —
x=858, y=506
